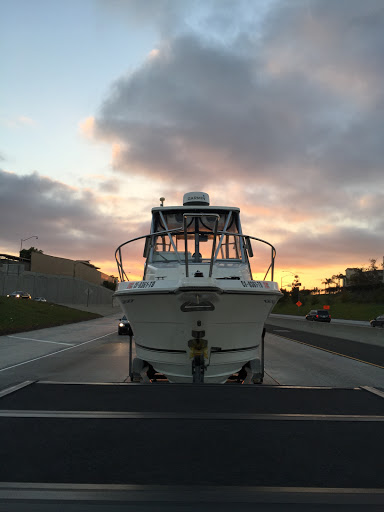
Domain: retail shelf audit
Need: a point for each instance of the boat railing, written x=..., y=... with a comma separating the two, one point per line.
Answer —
x=217, y=218
x=149, y=239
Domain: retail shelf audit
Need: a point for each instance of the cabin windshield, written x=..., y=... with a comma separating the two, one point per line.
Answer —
x=200, y=236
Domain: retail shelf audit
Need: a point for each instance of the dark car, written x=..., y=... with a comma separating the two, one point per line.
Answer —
x=124, y=327
x=318, y=315
x=378, y=321
x=20, y=295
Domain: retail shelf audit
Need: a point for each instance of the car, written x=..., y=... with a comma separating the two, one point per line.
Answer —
x=124, y=327
x=318, y=315
x=378, y=321
x=40, y=299
x=20, y=295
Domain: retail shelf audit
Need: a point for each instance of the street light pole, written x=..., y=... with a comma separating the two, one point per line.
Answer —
x=281, y=280
x=24, y=239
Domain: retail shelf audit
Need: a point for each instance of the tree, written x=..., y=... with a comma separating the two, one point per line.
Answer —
x=295, y=291
x=365, y=276
x=26, y=253
x=327, y=282
x=338, y=277
x=109, y=285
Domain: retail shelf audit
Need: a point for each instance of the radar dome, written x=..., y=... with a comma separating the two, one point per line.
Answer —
x=192, y=198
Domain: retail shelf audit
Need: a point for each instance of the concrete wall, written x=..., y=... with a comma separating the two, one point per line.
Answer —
x=58, y=289
x=362, y=334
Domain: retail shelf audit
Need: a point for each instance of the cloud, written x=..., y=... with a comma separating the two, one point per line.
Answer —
x=283, y=117
x=197, y=112
x=268, y=111
x=87, y=127
x=204, y=109
x=277, y=110
x=221, y=19
x=340, y=249
x=69, y=222
x=18, y=121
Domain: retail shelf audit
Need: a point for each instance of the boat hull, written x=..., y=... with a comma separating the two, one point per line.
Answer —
x=165, y=321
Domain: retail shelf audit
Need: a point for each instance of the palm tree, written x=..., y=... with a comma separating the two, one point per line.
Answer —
x=337, y=277
x=327, y=282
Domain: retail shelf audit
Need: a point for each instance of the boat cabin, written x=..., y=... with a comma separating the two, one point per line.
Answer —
x=195, y=234
x=201, y=226
x=196, y=239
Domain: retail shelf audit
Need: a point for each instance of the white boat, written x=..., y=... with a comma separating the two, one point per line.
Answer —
x=197, y=314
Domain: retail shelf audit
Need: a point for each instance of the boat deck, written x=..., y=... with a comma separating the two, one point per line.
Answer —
x=265, y=442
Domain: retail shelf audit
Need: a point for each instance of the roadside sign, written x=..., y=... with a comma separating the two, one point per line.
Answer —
x=326, y=307
x=298, y=303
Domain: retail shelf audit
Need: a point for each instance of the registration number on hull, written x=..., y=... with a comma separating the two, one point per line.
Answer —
x=255, y=284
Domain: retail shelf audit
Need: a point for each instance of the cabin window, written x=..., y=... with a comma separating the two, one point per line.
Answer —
x=200, y=237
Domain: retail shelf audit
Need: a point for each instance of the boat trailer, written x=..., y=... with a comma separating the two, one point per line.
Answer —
x=177, y=446
x=252, y=373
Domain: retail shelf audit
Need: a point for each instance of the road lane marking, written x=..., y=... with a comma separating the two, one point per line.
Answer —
x=375, y=391
x=41, y=341
x=12, y=389
x=331, y=351
x=53, y=353
x=29, y=413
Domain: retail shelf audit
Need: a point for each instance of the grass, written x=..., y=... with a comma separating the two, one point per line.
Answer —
x=345, y=310
x=19, y=315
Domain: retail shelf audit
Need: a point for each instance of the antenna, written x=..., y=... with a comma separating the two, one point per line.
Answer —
x=162, y=199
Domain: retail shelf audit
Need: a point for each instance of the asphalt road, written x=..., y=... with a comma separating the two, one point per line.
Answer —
x=299, y=364
x=93, y=352
x=372, y=354
x=89, y=351
x=96, y=451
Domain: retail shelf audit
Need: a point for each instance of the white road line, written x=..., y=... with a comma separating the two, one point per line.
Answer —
x=41, y=341
x=57, y=352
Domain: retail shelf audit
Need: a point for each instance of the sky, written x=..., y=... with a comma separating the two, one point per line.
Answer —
x=273, y=106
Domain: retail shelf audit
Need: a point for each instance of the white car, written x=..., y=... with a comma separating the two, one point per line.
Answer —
x=40, y=299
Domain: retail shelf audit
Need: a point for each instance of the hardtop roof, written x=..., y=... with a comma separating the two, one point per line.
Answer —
x=194, y=208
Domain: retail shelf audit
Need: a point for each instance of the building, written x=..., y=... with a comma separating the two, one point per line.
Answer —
x=53, y=265
x=14, y=264
x=370, y=276
x=59, y=280
x=82, y=269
